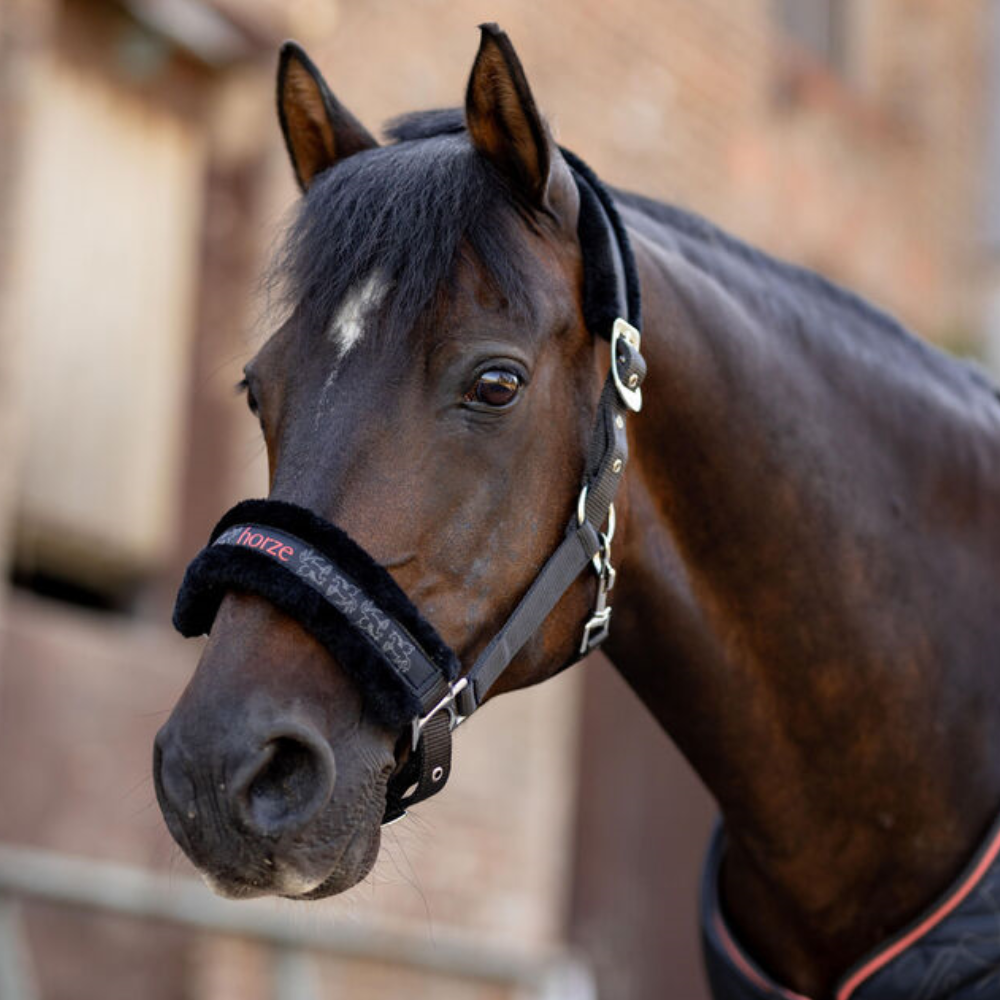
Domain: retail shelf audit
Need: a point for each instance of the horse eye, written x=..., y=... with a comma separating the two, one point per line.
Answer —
x=496, y=387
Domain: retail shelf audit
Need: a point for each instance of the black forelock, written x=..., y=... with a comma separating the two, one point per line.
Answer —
x=408, y=211
x=424, y=124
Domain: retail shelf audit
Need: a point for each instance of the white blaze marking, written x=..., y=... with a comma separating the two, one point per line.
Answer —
x=348, y=324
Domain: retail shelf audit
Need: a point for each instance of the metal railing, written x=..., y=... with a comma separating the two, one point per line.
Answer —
x=29, y=873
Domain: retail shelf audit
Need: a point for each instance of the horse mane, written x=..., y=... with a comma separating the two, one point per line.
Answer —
x=700, y=238
x=424, y=124
x=791, y=294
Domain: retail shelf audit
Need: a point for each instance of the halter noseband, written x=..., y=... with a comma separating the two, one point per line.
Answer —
x=311, y=569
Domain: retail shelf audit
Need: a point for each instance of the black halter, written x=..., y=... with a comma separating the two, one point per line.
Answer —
x=314, y=572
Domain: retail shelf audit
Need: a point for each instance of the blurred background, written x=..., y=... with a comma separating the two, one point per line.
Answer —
x=142, y=183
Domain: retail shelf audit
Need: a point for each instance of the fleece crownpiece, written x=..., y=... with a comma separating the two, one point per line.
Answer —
x=313, y=571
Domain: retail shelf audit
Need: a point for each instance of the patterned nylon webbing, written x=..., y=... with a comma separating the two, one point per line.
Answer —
x=384, y=633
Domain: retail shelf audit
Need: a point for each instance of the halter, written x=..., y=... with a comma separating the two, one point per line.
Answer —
x=311, y=569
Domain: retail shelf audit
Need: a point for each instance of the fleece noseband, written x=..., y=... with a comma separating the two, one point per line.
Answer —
x=311, y=570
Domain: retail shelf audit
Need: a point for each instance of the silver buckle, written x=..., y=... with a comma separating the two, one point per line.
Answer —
x=631, y=394
x=447, y=704
x=595, y=631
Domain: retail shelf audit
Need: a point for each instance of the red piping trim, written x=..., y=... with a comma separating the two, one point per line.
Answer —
x=960, y=892
x=740, y=960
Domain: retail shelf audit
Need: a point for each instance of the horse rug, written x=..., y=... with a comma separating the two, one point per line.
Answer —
x=950, y=951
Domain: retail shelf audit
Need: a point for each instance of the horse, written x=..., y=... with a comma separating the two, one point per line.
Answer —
x=806, y=534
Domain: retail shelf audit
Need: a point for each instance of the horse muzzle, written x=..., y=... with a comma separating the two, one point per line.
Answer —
x=246, y=800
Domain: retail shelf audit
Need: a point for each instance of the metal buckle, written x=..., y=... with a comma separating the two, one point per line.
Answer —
x=581, y=516
x=595, y=631
x=631, y=394
x=447, y=704
x=597, y=627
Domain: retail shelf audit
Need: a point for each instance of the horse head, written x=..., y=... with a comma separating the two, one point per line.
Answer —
x=432, y=393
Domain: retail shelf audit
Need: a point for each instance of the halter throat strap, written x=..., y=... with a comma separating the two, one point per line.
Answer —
x=610, y=284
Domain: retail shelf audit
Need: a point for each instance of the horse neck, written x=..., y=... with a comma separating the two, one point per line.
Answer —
x=778, y=610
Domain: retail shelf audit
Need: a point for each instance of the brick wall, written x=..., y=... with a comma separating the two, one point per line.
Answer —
x=872, y=178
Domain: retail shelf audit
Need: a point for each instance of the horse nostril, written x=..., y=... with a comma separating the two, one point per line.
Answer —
x=286, y=784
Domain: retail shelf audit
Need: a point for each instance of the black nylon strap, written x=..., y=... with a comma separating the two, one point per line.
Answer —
x=426, y=771
x=562, y=568
x=608, y=442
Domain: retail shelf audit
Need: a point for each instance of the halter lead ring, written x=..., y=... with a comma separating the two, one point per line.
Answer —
x=446, y=704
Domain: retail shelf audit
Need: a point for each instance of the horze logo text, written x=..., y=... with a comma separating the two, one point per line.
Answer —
x=265, y=543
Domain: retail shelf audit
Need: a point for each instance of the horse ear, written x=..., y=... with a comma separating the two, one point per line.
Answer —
x=503, y=121
x=319, y=131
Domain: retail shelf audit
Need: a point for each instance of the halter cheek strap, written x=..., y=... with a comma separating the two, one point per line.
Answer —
x=311, y=569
